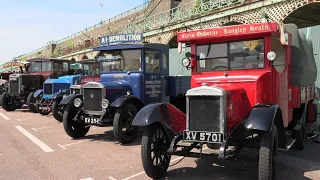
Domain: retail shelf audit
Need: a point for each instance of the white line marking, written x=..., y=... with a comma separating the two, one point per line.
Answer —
x=142, y=172
x=110, y=177
x=36, y=129
x=43, y=146
x=87, y=179
x=4, y=116
x=64, y=146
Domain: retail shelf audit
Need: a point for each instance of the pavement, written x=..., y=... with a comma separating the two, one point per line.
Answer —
x=35, y=147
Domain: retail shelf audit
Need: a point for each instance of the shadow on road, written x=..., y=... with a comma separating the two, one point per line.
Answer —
x=109, y=137
x=303, y=165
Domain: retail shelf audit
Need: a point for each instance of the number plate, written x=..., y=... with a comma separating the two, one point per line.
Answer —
x=91, y=120
x=43, y=107
x=13, y=79
x=197, y=136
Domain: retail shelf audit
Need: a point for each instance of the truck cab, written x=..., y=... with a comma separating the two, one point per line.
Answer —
x=90, y=72
x=132, y=75
x=22, y=86
x=249, y=83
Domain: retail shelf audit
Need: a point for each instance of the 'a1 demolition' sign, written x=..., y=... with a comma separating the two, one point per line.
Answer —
x=121, y=38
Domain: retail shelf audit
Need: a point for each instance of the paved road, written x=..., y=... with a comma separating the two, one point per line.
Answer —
x=36, y=147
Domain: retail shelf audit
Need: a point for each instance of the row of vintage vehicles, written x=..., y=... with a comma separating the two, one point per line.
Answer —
x=248, y=86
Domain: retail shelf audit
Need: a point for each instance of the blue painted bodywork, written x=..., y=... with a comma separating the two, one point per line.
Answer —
x=61, y=85
x=149, y=87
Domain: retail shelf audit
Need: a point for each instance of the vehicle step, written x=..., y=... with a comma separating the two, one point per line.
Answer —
x=289, y=145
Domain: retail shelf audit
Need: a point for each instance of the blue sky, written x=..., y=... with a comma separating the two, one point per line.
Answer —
x=26, y=25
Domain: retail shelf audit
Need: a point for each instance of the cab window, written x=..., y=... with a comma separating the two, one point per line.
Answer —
x=35, y=67
x=92, y=69
x=123, y=60
x=46, y=66
x=231, y=56
x=152, y=61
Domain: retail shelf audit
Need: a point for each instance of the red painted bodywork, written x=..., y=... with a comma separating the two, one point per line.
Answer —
x=85, y=79
x=246, y=88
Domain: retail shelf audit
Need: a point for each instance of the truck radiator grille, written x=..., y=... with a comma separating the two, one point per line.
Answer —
x=47, y=89
x=14, y=87
x=204, y=113
x=92, y=99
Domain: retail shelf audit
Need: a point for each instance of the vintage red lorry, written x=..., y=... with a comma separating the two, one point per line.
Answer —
x=250, y=83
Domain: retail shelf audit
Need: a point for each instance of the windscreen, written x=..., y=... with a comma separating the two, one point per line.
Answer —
x=91, y=69
x=230, y=56
x=122, y=60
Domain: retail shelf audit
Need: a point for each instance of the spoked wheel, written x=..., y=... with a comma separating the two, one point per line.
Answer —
x=268, y=155
x=6, y=103
x=154, y=146
x=73, y=129
x=56, y=110
x=123, y=130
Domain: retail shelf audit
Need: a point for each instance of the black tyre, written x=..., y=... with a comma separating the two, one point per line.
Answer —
x=154, y=145
x=268, y=154
x=73, y=128
x=19, y=105
x=301, y=138
x=6, y=104
x=57, y=111
x=123, y=130
x=30, y=100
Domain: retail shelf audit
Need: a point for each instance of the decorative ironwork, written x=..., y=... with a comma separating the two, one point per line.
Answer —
x=178, y=14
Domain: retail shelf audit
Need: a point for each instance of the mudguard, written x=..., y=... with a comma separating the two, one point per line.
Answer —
x=37, y=93
x=70, y=98
x=172, y=118
x=263, y=117
x=60, y=94
x=125, y=99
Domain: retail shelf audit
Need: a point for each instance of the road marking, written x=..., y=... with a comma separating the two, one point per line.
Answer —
x=0, y=154
x=4, y=116
x=89, y=178
x=25, y=119
x=64, y=146
x=110, y=177
x=142, y=172
x=36, y=129
x=39, y=143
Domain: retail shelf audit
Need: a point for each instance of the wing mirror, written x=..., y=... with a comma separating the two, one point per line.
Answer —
x=186, y=61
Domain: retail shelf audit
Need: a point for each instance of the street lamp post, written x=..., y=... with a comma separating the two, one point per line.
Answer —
x=101, y=11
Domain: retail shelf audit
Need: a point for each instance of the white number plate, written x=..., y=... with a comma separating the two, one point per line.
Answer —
x=197, y=136
x=91, y=120
x=43, y=107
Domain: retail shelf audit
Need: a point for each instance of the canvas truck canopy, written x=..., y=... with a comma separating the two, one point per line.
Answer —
x=304, y=69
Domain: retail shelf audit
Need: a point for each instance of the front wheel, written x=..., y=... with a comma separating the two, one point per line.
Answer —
x=31, y=103
x=154, y=145
x=123, y=130
x=6, y=104
x=268, y=154
x=73, y=129
x=56, y=110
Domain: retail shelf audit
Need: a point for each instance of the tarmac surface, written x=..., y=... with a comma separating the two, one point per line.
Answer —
x=35, y=147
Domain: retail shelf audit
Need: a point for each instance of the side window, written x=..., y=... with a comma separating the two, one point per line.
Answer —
x=65, y=67
x=152, y=61
x=164, y=61
x=46, y=66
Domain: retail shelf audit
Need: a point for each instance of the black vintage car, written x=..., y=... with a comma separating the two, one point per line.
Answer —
x=22, y=86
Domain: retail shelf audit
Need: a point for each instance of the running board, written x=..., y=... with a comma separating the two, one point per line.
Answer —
x=288, y=146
